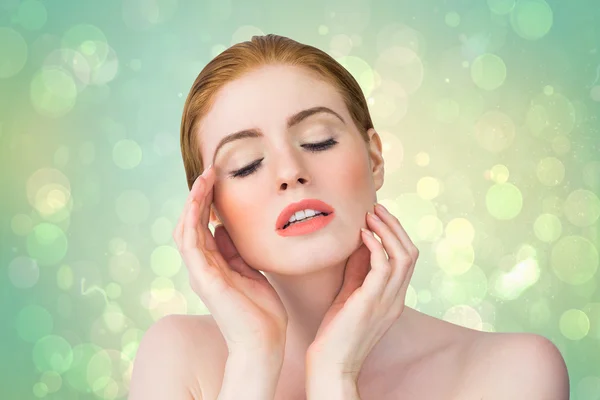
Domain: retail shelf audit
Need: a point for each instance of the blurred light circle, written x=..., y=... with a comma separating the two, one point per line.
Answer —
x=582, y=207
x=591, y=175
x=89, y=41
x=361, y=70
x=47, y=244
x=76, y=375
x=40, y=390
x=127, y=154
x=165, y=261
x=52, y=353
x=499, y=173
x=595, y=93
x=389, y=101
x=21, y=224
x=132, y=207
x=550, y=171
x=145, y=14
x=124, y=268
x=469, y=288
x=13, y=52
x=465, y=316
x=447, y=110
x=495, y=131
x=453, y=258
x=399, y=34
x=531, y=19
x=547, y=228
x=574, y=259
x=33, y=322
x=32, y=14
x=452, y=19
x=23, y=272
x=561, y=144
x=504, y=201
x=403, y=65
x=64, y=277
x=588, y=388
x=539, y=313
x=488, y=71
x=72, y=61
x=460, y=231
x=52, y=380
x=574, y=324
x=501, y=7
x=550, y=115
x=53, y=92
x=105, y=373
x=428, y=187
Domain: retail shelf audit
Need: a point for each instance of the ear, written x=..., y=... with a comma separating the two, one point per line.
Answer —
x=376, y=158
x=214, y=220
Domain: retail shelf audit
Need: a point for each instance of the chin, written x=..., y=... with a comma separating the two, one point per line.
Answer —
x=325, y=256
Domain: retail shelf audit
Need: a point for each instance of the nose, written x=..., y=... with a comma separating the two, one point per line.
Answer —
x=292, y=182
x=290, y=171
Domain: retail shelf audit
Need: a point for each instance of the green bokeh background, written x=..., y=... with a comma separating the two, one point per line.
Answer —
x=488, y=111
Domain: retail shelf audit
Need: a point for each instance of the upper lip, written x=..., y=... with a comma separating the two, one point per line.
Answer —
x=313, y=204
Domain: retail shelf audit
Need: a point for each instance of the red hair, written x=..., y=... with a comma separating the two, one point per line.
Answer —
x=246, y=56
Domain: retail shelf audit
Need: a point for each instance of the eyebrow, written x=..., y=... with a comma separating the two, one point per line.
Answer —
x=292, y=120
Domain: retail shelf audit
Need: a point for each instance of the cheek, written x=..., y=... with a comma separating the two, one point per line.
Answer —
x=354, y=178
x=239, y=209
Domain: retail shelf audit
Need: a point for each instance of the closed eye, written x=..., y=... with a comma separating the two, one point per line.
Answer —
x=313, y=147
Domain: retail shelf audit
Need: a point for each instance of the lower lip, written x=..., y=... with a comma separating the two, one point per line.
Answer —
x=306, y=227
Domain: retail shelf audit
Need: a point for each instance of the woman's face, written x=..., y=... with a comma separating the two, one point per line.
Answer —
x=345, y=173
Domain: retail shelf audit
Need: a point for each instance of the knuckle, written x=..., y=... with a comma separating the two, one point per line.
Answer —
x=387, y=268
x=406, y=259
x=414, y=252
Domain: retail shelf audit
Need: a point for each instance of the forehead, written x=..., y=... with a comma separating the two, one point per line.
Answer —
x=264, y=99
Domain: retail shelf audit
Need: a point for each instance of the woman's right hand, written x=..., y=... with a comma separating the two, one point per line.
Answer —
x=243, y=303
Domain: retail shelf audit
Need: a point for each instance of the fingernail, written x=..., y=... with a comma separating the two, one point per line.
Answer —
x=368, y=232
x=380, y=207
x=375, y=217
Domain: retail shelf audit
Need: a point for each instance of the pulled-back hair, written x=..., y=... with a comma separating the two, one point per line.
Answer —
x=247, y=56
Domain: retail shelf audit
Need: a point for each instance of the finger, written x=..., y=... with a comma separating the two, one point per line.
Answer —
x=225, y=244
x=397, y=228
x=190, y=231
x=376, y=280
x=206, y=206
x=204, y=236
x=231, y=255
x=178, y=232
x=399, y=260
x=357, y=268
x=193, y=195
x=391, y=242
x=408, y=244
x=207, y=198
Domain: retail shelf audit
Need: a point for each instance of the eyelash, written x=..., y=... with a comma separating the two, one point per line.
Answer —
x=314, y=147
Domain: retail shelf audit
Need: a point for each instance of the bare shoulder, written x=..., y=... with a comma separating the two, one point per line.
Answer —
x=514, y=365
x=179, y=353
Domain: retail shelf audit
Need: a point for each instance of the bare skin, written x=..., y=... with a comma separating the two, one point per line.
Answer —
x=420, y=357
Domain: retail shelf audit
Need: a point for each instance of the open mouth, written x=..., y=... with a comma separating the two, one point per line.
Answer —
x=306, y=219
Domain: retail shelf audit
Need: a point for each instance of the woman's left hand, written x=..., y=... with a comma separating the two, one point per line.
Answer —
x=360, y=315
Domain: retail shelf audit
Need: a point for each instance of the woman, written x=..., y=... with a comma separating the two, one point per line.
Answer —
x=280, y=122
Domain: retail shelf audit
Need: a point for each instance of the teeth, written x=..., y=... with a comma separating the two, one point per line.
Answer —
x=300, y=215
